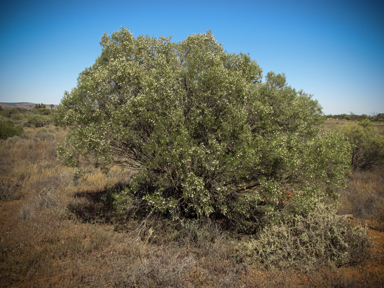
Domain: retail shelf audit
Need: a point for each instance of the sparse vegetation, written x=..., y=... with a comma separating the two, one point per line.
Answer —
x=224, y=185
x=364, y=196
x=71, y=235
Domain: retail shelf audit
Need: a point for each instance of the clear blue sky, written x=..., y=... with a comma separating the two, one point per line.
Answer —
x=331, y=49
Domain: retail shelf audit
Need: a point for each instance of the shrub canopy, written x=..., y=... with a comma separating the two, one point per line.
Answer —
x=8, y=129
x=368, y=145
x=37, y=120
x=207, y=136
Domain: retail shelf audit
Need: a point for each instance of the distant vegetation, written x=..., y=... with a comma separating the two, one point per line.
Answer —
x=354, y=117
x=13, y=119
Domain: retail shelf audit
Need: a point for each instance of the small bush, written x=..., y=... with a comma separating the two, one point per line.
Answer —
x=8, y=129
x=44, y=111
x=45, y=200
x=38, y=121
x=26, y=213
x=44, y=135
x=8, y=190
x=17, y=117
x=319, y=238
x=8, y=112
x=14, y=139
x=39, y=106
x=368, y=145
x=199, y=234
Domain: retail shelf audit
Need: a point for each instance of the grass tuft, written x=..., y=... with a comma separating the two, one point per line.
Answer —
x=9, y=190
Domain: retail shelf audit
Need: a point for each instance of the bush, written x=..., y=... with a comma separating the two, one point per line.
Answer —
x=208, y=137
x=39, y=106
x=17, y=117
x=38, y=120
x=8, y=112
x=368, y=145
x=321, y=237
x=44, y=111
x=9, y=190
x=8, y=129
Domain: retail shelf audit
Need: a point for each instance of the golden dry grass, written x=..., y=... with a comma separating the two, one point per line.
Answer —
x=61, y=233
x=333, y=124
x=364, y=196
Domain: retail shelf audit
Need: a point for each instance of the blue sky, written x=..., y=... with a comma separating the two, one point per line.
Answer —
x=333, y=49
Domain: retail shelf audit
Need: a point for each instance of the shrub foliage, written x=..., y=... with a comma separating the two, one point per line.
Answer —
x=368, y=145
x=207, y=135
x=8, y=129
x=321, y=237
x=37, y=120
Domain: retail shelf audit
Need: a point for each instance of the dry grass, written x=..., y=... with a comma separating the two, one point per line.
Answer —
x=364, y=196
x=58, y=231
x=333, y=124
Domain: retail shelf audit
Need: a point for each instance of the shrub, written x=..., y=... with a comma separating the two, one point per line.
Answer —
x=38, y=120
x=44, y=111
x=45, y=199
x=39, y=106
x=8, y=112
x=368, y=145
x=321, y=237
x=208, y=137
x=26, y=212
x=8, y=129
x=9, y=190
x=17, y=116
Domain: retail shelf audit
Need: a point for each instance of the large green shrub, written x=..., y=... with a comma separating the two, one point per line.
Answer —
x=207, y=136
x=8, y=129
x=368, y=145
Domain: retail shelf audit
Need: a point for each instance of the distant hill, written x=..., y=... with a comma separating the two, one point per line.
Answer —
x=26, y=105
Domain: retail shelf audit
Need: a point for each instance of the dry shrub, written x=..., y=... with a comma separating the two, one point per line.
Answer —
x=161, y=268
x=45, y=199
x=200, y=234
x=9, y=190
x=304, y=242
x=26, y=212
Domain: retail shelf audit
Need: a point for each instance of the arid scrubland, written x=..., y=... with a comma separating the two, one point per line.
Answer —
x=58, y=229
x=189, y=169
